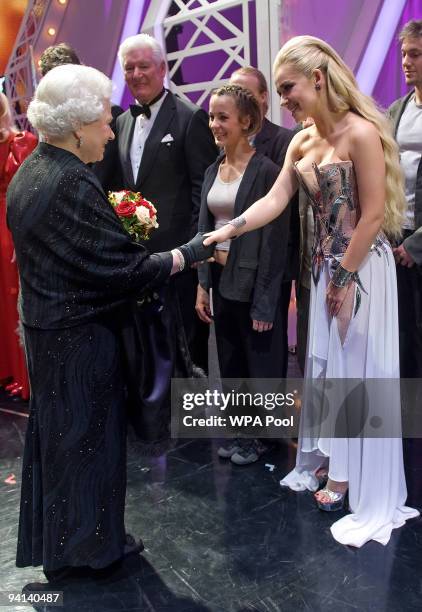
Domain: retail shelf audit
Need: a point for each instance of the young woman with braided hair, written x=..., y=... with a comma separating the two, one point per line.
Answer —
x=246, y=274
x=347, y=164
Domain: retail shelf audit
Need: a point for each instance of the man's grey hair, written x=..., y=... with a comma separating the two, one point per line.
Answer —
x=412, y=29
x=140, y=41
x=67, y=97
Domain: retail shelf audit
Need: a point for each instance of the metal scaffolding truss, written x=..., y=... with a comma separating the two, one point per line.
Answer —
x=209, y=32
x=235, y=43
x=211, y=44
x=20, y=71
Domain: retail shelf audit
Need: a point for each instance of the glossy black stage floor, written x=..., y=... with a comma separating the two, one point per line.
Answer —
x=224, y=538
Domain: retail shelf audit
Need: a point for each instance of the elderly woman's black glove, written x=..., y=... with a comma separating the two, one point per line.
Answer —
x=194, y=250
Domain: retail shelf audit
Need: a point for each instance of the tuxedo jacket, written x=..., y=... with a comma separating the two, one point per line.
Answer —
x=177, y=152
x=413, y=244
x=272, y=141
x=256, y=260
x=106, y=169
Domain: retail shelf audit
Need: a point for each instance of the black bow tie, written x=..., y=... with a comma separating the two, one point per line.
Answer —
x=145, y=109
x=140, y=109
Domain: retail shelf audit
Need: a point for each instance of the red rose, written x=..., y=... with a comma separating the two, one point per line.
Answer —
x=125, y=209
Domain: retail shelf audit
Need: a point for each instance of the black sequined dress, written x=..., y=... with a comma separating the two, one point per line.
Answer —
x=79, y=273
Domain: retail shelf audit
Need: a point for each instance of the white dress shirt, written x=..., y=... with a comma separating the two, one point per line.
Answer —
x=143, y=127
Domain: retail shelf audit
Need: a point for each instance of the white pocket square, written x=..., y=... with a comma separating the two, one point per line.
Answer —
x=168, y=138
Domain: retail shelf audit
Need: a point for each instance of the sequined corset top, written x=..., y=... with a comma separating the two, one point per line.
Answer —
x=332, y=192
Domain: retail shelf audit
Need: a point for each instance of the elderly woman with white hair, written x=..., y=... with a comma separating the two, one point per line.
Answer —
x=79, y=272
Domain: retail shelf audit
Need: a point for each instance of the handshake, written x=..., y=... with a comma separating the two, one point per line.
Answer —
x=194, y=251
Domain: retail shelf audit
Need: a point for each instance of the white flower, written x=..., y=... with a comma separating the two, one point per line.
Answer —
x=142, y=214
x=118, y=195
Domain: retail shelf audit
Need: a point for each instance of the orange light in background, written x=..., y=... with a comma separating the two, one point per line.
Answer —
x=51, y=31
x=12, y=12
x=62, y=1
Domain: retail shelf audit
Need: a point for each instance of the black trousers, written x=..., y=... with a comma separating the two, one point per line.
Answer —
x=409, y=287
x=284, y=303
x=243, y=352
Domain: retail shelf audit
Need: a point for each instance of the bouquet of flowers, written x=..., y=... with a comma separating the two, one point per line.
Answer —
x=138, y=216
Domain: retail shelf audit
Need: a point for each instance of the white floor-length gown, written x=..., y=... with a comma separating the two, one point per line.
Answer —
x=360, y=343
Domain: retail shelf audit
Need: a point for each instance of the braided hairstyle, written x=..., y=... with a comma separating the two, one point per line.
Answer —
x=246, y=105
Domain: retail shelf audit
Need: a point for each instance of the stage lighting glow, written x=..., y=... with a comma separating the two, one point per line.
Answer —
x=131, y=27
x=51, y=31
x=379, y=43
x=62, y=1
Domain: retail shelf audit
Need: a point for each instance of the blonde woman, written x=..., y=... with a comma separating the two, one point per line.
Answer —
x=347, y=164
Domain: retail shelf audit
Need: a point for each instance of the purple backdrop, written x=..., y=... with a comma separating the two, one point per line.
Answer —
x=390, y=84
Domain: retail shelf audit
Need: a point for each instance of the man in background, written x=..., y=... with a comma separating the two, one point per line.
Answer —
x=406, y=115
x=163, y=147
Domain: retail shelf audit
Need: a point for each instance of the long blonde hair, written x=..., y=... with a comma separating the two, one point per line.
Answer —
x=308, y=53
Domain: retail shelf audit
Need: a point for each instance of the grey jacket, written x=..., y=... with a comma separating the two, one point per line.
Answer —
x=413, y=244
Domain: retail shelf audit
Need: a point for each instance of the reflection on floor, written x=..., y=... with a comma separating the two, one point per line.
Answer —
x=224, y=538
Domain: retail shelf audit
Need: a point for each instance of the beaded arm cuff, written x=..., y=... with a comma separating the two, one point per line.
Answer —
x=238, y=222
x=342, y=277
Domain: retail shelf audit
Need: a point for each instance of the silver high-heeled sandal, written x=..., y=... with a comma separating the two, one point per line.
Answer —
x=337, y=500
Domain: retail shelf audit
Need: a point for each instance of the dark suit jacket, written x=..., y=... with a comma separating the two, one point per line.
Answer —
x=171, y=173
x=75, y=260
x=273, y=141
x=106, y=170
x=256, y=259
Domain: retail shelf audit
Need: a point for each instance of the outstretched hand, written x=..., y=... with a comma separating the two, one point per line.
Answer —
x=221, y=235
x=195, y=250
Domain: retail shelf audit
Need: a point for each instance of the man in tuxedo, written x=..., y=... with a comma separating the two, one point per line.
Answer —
x=163, y=147
x=406, y=116
x=272, y=141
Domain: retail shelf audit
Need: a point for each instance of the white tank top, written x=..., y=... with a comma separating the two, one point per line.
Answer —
x=220, y=200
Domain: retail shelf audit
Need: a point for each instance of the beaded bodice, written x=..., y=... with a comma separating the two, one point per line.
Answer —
x=332, y=192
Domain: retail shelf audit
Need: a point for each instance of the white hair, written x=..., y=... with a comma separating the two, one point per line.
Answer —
x=140, y=41
x=67, y=97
